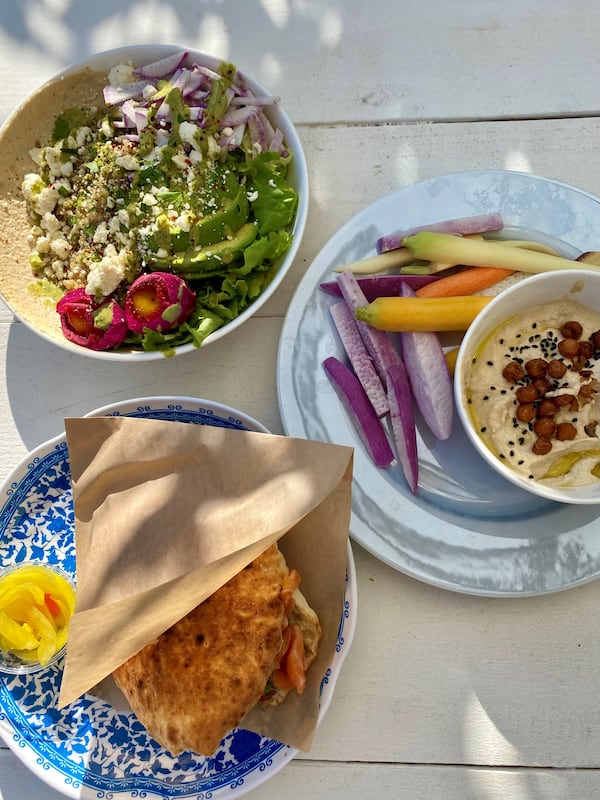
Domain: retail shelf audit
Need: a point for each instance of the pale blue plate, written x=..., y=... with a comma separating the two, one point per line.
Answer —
x=89, y=749
x=468, y=529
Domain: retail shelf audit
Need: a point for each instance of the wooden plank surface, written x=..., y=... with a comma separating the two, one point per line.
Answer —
x=346, y=60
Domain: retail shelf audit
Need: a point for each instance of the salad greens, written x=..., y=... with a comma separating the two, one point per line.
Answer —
x=180, y=172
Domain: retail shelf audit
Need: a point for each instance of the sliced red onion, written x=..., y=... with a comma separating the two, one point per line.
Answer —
x=375, y=286
x=358, y=407
x=237, y=116
x=460, y=226
x=141, y=118
x=429, y=377
x=346, y=326
x=234, y=139
x=257, y=132
x=207, y=72
x=162, y=68
x=403, y=422
x=128, y=113
x=277, y=142
x=195, y=84
x=115, y=94
x=377, y=342
x=268, y=128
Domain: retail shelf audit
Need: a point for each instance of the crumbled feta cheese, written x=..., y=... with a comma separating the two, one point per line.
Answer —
x=46, y=200
x=128, y=162
x=106, y=274
x=184, y=222
x=187, y=133
x=149, y=199
x=121, y=73
x=42, y=244
x=49, y=222
x=66, y=168
x=101, y=233
x=60, y=247
x=107, y=128
x=252, y=196
x=83, y=134
x=180, y=160
x=32, y=185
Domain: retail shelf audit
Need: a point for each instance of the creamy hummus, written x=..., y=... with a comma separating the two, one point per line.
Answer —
x=532, y=390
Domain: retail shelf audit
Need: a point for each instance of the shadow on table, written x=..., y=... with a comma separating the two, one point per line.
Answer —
x=45, y=384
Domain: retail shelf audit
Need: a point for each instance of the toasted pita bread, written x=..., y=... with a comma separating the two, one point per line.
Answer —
x=199, y=679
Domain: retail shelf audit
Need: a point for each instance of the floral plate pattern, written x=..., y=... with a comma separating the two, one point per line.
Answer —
x=89, y=749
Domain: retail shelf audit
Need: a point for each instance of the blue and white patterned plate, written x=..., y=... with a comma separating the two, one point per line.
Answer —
x=89, y=748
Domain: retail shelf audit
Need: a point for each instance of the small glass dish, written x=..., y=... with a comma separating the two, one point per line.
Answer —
x=11, y=662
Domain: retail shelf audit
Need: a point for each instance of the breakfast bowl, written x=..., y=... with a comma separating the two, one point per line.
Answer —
x=37, y=601
x=526, y=385
x=154, y=199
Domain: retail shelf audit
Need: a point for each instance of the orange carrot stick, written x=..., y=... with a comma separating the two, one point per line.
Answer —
x=468, y=281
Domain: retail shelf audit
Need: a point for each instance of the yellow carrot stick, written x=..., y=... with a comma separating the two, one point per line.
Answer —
x=422, y=313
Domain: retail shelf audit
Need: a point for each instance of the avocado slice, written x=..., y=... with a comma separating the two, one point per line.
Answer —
x=216, y=227
x=198, y=260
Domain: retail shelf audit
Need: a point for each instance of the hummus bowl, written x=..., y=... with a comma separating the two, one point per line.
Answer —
x=163, y=181
x=527, y=383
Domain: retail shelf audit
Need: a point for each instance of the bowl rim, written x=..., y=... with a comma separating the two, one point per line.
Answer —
x=104, y=60
x=474, y=335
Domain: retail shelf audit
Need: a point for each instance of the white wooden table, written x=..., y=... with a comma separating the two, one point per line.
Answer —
x=443, y=695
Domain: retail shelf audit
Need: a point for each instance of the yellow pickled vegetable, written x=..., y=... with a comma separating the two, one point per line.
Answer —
x=36, y=604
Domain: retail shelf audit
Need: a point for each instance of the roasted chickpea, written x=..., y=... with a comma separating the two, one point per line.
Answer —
x=547, y=408
x=595, y=340
x=536, y=367
x=565, y=431
x=513, y=372
x=542, y=385
x=556, y=368
x=568, y=348
x=541, y=446
x=586, y=349
x=527, y=394
x=562, y=400
x=571, y=330
x=525, y=412
x=544, y=427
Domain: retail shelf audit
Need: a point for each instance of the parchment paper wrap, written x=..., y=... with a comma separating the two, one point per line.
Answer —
x=167, y=512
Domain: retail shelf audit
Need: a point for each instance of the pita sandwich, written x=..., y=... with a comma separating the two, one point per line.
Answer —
x=250, y=642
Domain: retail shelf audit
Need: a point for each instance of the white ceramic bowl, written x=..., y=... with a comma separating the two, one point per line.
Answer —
x=581, y=285
x=45, y=322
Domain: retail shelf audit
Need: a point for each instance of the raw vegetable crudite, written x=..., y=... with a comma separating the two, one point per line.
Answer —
x=176, y=170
